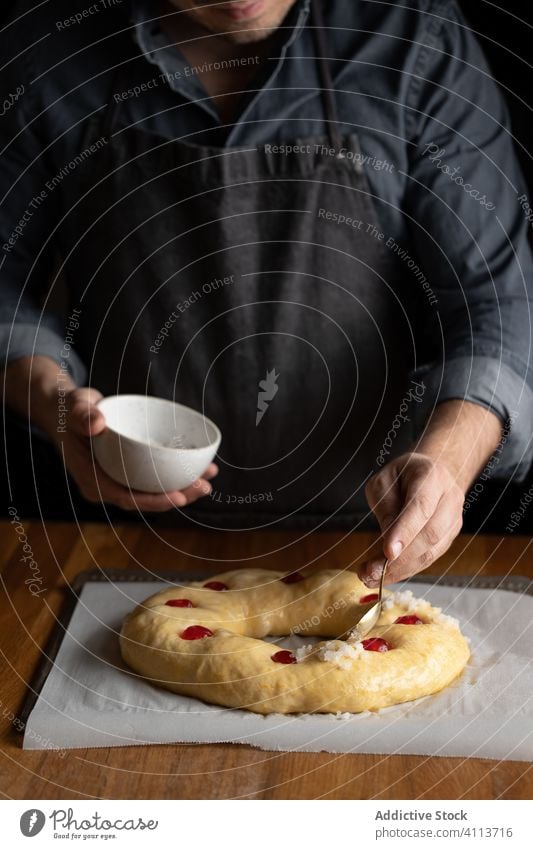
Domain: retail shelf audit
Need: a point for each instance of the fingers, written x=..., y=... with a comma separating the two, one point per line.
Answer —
x=384, y=498
x=210, y=472
x=197, y=490
x=105, y=490
x=98, y=487
x=419, y=507
x=423, y=491
x=431, y=543
x=200, y=488
x=84, y=417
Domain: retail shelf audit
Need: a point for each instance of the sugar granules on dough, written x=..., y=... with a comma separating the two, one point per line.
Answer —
x=342, y=653
x=334, y=651
x=406, y=600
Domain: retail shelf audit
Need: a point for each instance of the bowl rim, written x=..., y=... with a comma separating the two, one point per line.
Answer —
x=122, y=397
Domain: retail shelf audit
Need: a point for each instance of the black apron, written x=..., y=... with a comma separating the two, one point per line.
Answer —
x=227, y=280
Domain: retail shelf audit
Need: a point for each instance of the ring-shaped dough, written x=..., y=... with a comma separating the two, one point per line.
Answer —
x=234, y=667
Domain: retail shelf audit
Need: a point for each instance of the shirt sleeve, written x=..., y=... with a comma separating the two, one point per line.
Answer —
x=28, y=214
x=470, y=232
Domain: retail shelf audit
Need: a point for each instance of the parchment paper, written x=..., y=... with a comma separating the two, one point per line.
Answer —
x=90, y=698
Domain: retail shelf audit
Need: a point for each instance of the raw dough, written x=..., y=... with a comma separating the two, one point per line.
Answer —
x=234, y=667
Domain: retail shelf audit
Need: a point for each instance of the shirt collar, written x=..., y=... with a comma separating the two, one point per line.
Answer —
x=152, y=40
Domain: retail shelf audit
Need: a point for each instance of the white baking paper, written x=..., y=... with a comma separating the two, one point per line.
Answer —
x=91, y=699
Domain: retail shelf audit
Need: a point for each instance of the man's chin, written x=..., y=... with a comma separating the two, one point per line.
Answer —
x=249, y=36
x=242, y=32
x=258, y=31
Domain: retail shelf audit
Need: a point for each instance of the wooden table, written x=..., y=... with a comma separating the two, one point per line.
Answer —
x=223, y=771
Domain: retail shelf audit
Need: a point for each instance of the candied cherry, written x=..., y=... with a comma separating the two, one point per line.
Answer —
x=195, y=632
x=409, y=619
x=215, y=585
x=293, y=578
x=283, y=657
x=365, y=599
x=179, y=602
x=376, y=644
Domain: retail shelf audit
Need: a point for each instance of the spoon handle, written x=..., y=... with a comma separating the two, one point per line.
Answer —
x=382, y=580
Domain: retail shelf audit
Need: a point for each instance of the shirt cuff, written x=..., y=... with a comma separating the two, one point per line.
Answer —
x=492, y=384
x=30, y=340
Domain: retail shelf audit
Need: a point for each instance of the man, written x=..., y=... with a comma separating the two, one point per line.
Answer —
x=301, y=218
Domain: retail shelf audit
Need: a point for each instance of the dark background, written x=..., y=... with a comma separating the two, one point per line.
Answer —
x=506, y=35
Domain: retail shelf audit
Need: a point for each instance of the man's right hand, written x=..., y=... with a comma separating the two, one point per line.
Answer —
x=31, y=386
x=85, y=420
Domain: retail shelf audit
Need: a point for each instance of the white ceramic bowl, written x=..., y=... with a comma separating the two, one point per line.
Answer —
x=154, y=445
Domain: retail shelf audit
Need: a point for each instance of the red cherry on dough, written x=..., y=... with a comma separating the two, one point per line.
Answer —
x=215, y=585
x=283, y=657
x=366, y=598
x=410, y=619
x=195, y=632
x=179, y=602
x=376, y=644
x=293, y=578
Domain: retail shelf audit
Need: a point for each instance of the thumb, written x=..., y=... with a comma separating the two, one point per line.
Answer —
x=85, y=418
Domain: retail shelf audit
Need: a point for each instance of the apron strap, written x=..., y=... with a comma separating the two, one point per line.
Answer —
x=328, y=92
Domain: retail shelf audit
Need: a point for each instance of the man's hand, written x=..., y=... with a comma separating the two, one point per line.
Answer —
x=84, y=420
x=31, y=389
x=419, y=507
x=418, y=497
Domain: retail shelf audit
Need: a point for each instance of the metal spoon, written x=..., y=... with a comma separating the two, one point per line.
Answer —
x=369, y=618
